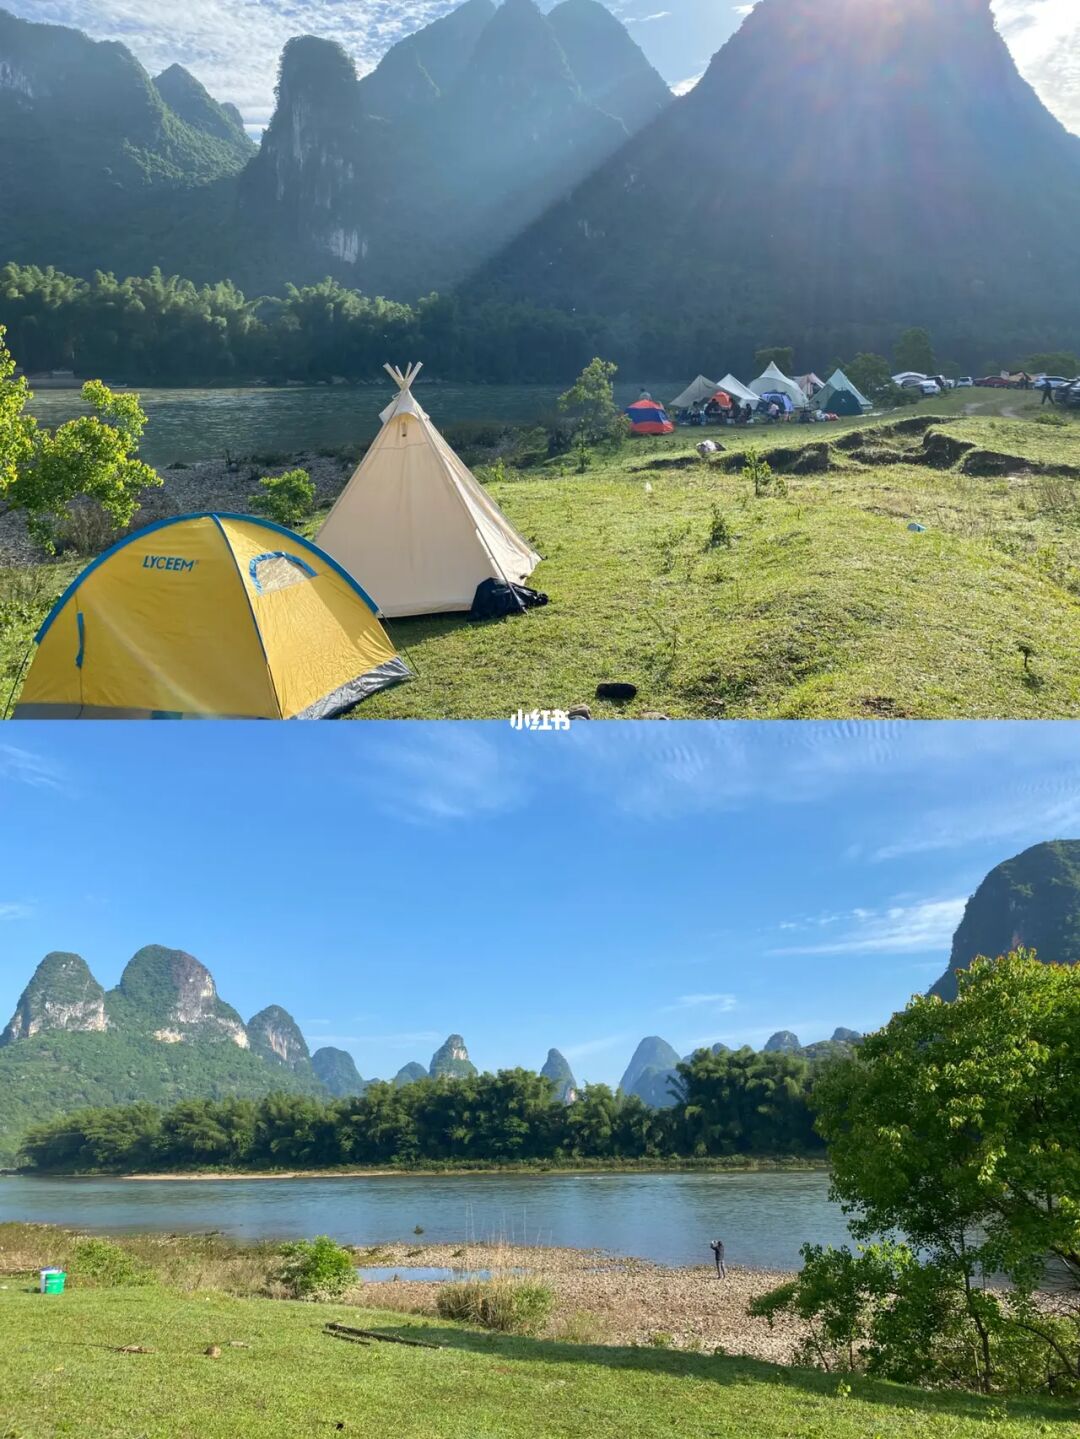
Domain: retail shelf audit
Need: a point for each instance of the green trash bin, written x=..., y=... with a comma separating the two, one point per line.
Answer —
x=52, y=1281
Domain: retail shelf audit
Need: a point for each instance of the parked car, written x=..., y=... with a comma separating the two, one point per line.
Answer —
x=1054, y=382
x=1069, y=394
x=993, y=382
x=930, y=387
x=965, y=382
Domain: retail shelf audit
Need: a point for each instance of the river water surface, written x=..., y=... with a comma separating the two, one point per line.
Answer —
x=762, y=1217
x=190, y=425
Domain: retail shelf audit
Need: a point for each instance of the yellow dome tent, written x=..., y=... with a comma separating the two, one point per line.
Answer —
x=209, y=616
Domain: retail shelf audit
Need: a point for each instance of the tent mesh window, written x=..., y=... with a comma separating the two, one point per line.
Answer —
x=278, y=571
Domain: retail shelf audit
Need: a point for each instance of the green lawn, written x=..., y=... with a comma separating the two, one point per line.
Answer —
x=60, y=1374
x=823, y=605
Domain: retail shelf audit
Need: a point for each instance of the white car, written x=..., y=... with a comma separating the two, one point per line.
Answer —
x=965, y=383
x=929, y=387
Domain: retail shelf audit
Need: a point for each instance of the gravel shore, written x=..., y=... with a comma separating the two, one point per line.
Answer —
x=209, y=485
x=603, y=1298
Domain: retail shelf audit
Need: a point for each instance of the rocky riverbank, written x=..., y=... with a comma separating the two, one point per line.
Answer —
x=607, y=1299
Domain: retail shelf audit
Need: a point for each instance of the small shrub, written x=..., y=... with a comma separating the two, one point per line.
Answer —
x=287, y=499
x=719, y=532
x=315, y=1269
x=1056, y=422
x=101, y=1264
x=86, y=529
x=512, y=1306
x=661, y=1339
x=494, y=474
x=759, y=474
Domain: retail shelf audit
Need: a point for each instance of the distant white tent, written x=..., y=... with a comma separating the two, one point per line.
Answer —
x=699, y=392
x=737, y=390
x=775, y=379
x=416, y=523
x=839, y=395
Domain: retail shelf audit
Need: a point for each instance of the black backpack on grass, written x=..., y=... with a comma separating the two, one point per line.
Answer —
x=494, y=599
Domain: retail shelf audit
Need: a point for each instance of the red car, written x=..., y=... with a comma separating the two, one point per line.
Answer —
x=994, y=382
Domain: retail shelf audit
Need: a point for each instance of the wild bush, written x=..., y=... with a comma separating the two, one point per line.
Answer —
x=101, y=1264
x=510, y=1305
x=316, y=1269
x=287, y=499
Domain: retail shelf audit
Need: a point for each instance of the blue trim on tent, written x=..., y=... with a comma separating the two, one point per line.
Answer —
x=253, y=567
x=81, y=623
x=200, y=515
x=250, y=607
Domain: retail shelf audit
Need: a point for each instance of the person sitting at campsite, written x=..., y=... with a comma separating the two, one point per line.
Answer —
x=697, y=416
x=774, y=411
x=712, y=411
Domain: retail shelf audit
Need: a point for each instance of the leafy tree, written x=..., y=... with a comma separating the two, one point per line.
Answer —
x=782, y=356
x=17, y=429
x=870, y=374
x=1055, y=362
x=89, y=458
x=590, y=401
x=287, y=499
x=914, y=351
x=955, y=1126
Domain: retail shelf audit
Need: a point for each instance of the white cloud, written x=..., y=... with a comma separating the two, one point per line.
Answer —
x=440, y=773
x=900, y=929
x=15, y=910
x=717, y=1003
x=683, y=87
x=644, y=19
x=595, y=1046
x=1044, y=37
x=24, y=766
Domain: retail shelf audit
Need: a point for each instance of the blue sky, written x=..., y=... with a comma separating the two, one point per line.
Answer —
x=389, y=884
x=233, y=45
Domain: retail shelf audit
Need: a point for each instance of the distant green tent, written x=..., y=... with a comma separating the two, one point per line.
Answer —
x=840, y=397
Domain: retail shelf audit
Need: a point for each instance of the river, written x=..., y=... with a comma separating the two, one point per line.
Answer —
x=186, y=426
x=763, y=1217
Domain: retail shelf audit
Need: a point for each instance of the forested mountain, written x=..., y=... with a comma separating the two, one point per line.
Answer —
x=336, y=1070
x=163, y=1034
x=399, y=182
x=1031, y=900
x=838, y=173
x=89, y=137
x=837, y=176
x=466, y=131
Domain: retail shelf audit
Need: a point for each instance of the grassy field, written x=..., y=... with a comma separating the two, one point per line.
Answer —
x=817, y=602
x=62, y=1375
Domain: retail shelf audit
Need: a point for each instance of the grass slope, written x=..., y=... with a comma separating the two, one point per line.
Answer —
x=824, y=605
x=63, y=1376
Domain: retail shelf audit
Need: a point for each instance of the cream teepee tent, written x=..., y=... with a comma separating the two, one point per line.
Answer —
x=416, y=524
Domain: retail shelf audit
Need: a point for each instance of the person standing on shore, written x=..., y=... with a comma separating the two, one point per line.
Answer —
x=717, y=1247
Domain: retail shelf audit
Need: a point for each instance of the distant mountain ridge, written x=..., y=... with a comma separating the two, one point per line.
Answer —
x=397, y=182
x=832, y=178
